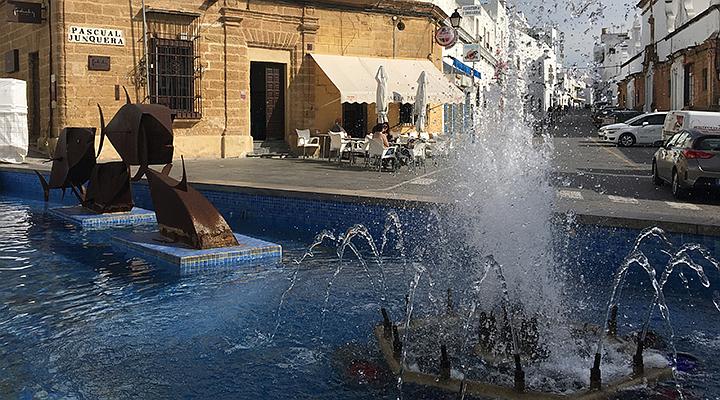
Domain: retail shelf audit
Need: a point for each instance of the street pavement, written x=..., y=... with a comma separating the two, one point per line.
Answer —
x=599, y=182
x=598, y=179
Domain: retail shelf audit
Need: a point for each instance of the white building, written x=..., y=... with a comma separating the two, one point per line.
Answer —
x=537, y=62
x=538, y=57
x=610, y=54
x=488, y=30
x=673, y=60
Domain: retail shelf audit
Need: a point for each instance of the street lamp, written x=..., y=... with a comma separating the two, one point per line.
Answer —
x=455, y=19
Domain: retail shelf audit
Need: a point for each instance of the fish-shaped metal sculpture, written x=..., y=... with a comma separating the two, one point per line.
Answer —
x=73, y=161
x=185, y=215
x=141, y=133
x=109, y=189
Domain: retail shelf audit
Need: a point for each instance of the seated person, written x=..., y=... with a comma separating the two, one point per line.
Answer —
x=338, y=126
x=378, y=133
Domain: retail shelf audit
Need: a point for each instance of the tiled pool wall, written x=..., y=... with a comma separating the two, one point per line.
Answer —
x=302, y=215
x=594, y=254
x=299, y=216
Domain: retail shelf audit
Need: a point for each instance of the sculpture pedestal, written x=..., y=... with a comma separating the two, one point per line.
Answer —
x=156, y=248
x=88, y=219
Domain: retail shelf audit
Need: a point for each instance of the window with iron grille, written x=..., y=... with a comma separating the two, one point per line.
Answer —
x=174, y=65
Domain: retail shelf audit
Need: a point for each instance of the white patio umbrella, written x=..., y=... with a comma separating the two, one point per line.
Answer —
x=381, y=100
x=421, y=103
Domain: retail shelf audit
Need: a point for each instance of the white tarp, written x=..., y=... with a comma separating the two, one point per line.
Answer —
x=354, y=77
x=13, y=121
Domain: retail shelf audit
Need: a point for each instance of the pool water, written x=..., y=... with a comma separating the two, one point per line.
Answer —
x=79, y=320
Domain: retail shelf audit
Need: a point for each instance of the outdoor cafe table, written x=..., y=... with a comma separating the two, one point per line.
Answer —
x=324, y=144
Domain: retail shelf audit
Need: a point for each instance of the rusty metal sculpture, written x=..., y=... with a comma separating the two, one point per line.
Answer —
x=109, y=189
x=142, y=135
x=185, y=215
x=73, y=162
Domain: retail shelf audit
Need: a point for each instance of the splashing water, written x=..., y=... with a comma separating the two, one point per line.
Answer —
x=362, y=232
x=319, y=239
x=345, y=243
x=504, y=203
x=678, y=258
x=392, y=222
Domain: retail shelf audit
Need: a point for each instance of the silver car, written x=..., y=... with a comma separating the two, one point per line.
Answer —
x=690, y=159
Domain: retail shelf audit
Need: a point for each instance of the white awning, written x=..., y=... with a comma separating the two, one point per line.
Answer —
x=354, y=77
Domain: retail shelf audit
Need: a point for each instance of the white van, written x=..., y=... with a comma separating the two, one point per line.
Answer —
x=675, y=121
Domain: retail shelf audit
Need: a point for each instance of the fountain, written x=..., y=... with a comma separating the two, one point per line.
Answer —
x=511, y=331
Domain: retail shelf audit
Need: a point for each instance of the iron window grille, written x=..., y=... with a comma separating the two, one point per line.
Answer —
x=175, y=71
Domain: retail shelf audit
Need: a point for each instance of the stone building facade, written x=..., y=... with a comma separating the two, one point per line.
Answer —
x=235, y=71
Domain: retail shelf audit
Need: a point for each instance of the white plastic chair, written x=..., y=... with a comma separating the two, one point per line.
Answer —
x=337, y=145
x=424, y=136
x=305, y=141
x=380, y=154
x=418, y=153
x=360, y=148
x=439, y=149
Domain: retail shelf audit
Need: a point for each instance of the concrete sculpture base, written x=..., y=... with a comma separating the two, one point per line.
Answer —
x=88, y=219
x=156, y=248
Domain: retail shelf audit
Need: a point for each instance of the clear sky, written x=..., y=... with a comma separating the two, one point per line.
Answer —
x=581, y=21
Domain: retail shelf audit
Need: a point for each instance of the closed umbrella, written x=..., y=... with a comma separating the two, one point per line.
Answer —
x=381, y=102
x=421, y=103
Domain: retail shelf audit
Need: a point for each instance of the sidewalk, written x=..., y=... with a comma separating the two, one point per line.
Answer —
x=305, y=175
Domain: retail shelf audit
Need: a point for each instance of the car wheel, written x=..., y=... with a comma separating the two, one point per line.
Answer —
x=677, y=190
x=657, y=181
x=626, y=140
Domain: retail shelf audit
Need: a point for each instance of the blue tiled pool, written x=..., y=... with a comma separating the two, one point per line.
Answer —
x=81, y=321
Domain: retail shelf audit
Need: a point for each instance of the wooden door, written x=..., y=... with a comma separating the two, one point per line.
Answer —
x=274, y=101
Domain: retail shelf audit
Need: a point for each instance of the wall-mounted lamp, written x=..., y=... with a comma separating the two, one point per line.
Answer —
x=455, y=19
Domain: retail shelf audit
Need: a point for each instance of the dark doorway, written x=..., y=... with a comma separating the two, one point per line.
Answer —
x=34, y=100
x=267, y=101
x=355, y=119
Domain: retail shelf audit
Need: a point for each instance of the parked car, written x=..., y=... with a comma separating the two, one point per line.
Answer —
x=690, y=159
x=615, y=116
x=679, y=120
x=601, y=113
x=643, y=129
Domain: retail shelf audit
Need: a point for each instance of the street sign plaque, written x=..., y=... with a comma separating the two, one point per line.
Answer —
x=25, y=12
x=473, y=10
x=471, y=52
x=98, y=63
